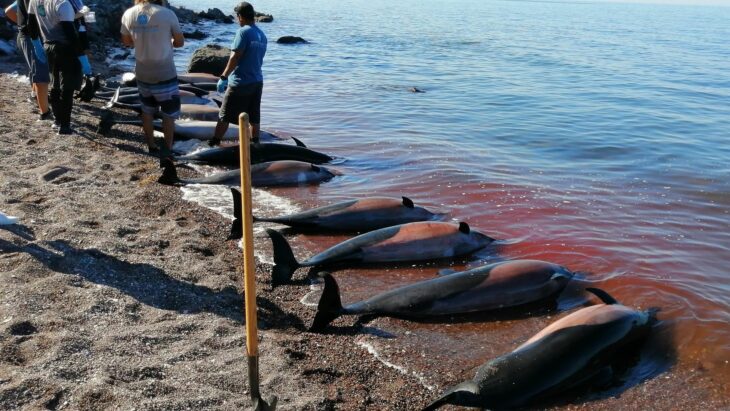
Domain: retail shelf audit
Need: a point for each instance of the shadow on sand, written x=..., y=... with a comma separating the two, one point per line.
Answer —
x=144, y=282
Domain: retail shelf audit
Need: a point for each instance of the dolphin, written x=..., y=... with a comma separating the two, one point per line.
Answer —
x=186, y=97
x=271, y=174
x=492, y=287
x=419, y=241
x=197, y=78
x=260, y=153
x=191, y=129
x=366, y=214
x=187, y=111
x=565, y=354
x=109, y=91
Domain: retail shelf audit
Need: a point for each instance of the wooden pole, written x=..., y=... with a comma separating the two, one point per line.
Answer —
x=249, y=269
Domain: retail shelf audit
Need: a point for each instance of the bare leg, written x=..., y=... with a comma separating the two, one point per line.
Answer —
x=149, y=130
x=168, y=129
x=41, y=95
x=220, y=131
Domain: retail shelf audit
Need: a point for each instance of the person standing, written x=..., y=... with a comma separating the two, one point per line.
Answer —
x=242, y=79
x=35, y=57
x=153, y=30
x=54, y=21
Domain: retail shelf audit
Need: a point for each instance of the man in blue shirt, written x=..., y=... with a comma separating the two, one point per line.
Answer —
x=242, y=79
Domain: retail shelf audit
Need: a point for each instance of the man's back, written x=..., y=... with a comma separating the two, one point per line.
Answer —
x=50, y=13
x=253, y=42
x=152, y=28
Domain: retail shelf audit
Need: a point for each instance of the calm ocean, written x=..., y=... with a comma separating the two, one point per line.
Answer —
x=591, y=135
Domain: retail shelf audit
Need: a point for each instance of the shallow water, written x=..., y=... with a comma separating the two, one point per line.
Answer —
x=589, y=135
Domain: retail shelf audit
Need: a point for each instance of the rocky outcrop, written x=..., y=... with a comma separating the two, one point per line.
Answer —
x=264, y=18
x=291, y=40
x=216, y=15
x=195, y=35
x=209, y=59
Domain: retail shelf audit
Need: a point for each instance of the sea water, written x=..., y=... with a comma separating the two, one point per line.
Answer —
x=592, y=135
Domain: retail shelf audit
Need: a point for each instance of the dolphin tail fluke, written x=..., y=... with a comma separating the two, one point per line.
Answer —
x=465, y=394
x=330, y=305
x=169, y=175
x=236, y=230
x=284, y=261
x=604, y=296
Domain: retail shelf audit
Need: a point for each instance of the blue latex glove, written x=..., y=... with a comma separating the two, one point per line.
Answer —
x=222, y=85
x=38, y=50
x=85, y=66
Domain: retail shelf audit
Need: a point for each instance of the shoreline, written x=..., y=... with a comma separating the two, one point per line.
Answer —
x=120, y=294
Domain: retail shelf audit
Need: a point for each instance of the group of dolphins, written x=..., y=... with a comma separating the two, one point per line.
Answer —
x=569, y=353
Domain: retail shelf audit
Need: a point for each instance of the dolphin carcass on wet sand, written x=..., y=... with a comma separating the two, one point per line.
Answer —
x=361, y=215
x=564, y=355
x=259, y=153
x=420, y=241
x=495, y=286
x=271, y=174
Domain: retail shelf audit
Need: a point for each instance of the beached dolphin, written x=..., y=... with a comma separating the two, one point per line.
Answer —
x=564, y=355
x=192, y=129
x=187, y=111
x=186, y=97
x=495, y=286
x=271, y=174
x=361, y=215
x=419, y=241
x=259, y=152
x=197, y=78
x=108, y=92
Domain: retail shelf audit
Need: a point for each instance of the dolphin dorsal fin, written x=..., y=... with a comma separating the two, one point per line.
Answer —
x=464, y=228
x=298, y=142
x=315, y=168
x=408, y=202
x=604, y=296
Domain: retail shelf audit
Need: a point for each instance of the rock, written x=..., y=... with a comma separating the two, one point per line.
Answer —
x=209, y=59
x=264, y=18
x=185, y=15
x=195, y=35
x=291, y=40
x=217, y=15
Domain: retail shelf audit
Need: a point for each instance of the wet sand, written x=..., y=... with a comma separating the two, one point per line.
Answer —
x=118, y=294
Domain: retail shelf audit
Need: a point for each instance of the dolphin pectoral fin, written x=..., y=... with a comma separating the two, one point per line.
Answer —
x=330, y=305
x=408, y=202
x=602, y=295
x=465, y=394
x=298, y=142
x=446, y=271
x=284, y=261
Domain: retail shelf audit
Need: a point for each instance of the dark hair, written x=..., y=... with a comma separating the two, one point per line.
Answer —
x=245, y=10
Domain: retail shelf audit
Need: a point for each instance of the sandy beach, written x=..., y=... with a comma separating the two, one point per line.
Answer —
x=118, y=294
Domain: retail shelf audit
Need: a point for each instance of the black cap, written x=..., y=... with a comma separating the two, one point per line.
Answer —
x=245, y=10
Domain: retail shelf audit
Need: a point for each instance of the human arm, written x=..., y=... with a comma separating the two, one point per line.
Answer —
x=127, y=38
x=178, y=39
x=11, y=12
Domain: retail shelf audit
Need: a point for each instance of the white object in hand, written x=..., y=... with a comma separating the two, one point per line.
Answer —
x=6, y=219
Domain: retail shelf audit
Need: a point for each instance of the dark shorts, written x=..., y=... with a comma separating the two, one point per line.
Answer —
x=242, y=99
x=163, y=96
x=39, y=72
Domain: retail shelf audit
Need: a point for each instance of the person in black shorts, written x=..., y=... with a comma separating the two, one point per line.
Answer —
x=242, y=79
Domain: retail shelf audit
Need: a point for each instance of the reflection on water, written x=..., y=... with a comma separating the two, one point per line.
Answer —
x=589, y=135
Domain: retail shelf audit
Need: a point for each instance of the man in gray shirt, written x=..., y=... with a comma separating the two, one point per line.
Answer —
x=153, y=31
